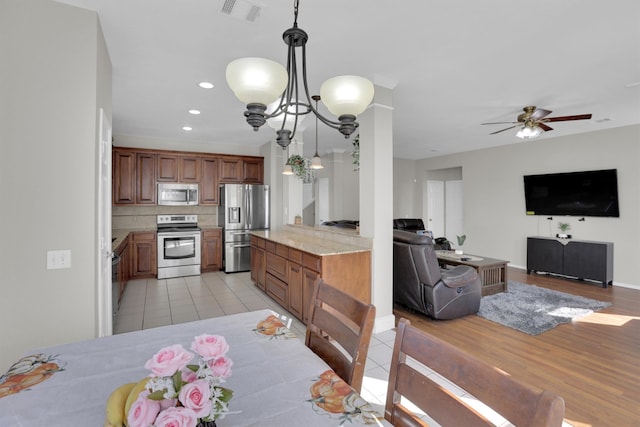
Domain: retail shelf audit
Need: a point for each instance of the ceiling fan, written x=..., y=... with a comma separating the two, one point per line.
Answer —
x=532, y=122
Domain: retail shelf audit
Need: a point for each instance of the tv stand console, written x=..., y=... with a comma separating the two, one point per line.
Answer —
x=574, y=258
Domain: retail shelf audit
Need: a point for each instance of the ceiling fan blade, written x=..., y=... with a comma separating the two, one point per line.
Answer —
x=544, y=127
x=567, y=118
x=502, y=130
x=540, y=113
x=499, y=123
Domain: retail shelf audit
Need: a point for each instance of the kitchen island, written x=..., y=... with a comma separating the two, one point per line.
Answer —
x=286, y=263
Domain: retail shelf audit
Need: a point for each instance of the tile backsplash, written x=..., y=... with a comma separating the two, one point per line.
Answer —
x=144, y=217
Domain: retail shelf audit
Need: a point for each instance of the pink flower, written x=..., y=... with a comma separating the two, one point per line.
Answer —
x=188, y=376
x=143, y=411
x=168, y=360
x=176, y=417
x=196, y=396
x=221, y=367
x=210, y=346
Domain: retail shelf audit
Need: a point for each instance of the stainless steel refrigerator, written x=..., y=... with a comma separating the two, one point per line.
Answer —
x=243, y=208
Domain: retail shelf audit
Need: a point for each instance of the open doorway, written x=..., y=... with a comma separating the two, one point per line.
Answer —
x=443, y=202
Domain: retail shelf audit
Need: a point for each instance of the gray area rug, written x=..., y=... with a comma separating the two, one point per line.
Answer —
x=534, y=310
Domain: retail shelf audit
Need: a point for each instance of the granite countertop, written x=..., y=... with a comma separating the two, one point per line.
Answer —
x=313, y=244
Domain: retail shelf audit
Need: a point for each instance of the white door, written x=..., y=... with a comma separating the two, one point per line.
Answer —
x=435, y=212
x=453, y=211
x=104, y=295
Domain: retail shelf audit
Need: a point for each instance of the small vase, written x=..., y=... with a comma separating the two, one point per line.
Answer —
x=206, y=424
x=459, y=252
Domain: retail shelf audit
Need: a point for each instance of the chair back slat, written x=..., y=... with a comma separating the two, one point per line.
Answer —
x=336, y=317
x=519, y=403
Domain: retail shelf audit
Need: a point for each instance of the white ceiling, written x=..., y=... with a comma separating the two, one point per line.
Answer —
x=453, y=65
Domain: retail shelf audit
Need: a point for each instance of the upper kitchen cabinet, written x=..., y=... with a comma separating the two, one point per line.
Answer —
x=137, y=171
x=145, y=179
x=246, y=170
x=124, y=177
x=209, y=191
x=178, y=168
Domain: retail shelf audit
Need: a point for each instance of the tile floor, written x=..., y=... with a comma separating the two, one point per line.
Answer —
x=151, y=303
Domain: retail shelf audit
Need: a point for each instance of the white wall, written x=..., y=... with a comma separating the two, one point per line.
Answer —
x=494, y=214
x=55, y=79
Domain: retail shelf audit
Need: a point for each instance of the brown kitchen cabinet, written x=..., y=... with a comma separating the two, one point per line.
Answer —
x=211, y=250
x=146, y=179
x=245, y=170
x=124, y=177
x=179, y=168
x=209, y=182
x=258, y=262
x=144, y=254
x=136, y=173
x=290, y=273
x=124, y=266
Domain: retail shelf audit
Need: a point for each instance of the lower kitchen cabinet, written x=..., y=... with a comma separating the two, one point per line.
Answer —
x=211, y=250
x=124, y=267
x=258, y=262
x=144, y=253
x=288, y=274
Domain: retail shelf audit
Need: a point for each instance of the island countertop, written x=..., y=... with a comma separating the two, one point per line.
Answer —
x=315, y=241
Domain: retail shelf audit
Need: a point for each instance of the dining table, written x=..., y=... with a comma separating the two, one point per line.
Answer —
x=276, y=379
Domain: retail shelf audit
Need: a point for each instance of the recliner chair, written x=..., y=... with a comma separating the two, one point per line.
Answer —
x=420, y=285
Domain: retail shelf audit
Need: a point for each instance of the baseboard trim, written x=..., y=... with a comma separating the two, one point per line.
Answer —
x=384, y=323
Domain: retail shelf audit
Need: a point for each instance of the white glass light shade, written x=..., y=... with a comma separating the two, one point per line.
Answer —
x=286, y=170
x=346, y=94
x=256, y=80
x=316, y=163
x=529, y=132
x=276, y=122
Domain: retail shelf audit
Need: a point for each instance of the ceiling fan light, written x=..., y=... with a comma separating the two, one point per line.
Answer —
x=256, y=80
x=528, y=132
x=347, y=94
x=316, y=162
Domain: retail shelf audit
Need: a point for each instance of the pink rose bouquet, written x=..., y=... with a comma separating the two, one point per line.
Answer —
x=183, y=394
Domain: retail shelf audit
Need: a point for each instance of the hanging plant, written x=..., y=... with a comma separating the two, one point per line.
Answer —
x=298, y=165
x=355, y=154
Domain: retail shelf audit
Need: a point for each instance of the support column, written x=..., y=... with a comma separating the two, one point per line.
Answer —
x=376, y=200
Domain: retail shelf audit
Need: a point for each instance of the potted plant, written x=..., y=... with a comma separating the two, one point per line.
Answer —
x=298, y=165
x=461, y=240
x=563, y=227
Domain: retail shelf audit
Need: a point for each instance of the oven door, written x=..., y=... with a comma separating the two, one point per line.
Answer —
x=178, y=248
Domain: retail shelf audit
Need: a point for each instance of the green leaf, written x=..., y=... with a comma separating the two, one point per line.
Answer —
x=461, y=239
x=157, y=395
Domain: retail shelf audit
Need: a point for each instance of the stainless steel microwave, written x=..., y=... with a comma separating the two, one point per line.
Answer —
x=176, y=194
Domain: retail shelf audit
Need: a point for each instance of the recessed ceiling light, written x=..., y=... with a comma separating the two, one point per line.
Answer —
x=206, y=85
x=194, y=112
x=187, y=128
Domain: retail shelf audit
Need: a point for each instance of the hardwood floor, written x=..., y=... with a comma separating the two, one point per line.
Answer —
x=594, y=363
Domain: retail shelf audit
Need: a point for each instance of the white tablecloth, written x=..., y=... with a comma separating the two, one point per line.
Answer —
x=271, y=377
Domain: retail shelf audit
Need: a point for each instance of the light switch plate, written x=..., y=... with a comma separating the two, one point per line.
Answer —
x=58, y=259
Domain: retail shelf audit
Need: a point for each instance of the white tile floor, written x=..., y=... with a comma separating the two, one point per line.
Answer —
x=151, y=303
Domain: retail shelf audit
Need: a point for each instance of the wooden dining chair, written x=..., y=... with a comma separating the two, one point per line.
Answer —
x=336, y=317
x=519, y=403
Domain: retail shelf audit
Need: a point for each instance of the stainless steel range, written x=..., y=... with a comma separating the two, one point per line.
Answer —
x=178, y=246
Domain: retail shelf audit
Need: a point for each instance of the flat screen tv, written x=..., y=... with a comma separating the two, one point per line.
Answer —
x=587, y=193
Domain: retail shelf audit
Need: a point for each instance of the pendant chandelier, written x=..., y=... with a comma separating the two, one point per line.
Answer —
x=316, y=162
x=260, y=82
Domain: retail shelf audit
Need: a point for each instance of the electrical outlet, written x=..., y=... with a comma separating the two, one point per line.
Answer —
x=58, y=259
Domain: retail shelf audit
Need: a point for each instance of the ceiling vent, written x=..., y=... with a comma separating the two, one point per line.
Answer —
x=240, y=9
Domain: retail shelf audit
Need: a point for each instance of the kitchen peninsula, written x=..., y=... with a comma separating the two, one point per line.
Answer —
x=285, y=264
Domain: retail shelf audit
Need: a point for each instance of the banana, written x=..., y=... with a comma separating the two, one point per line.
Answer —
x=115, y=404
x=133, y=395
